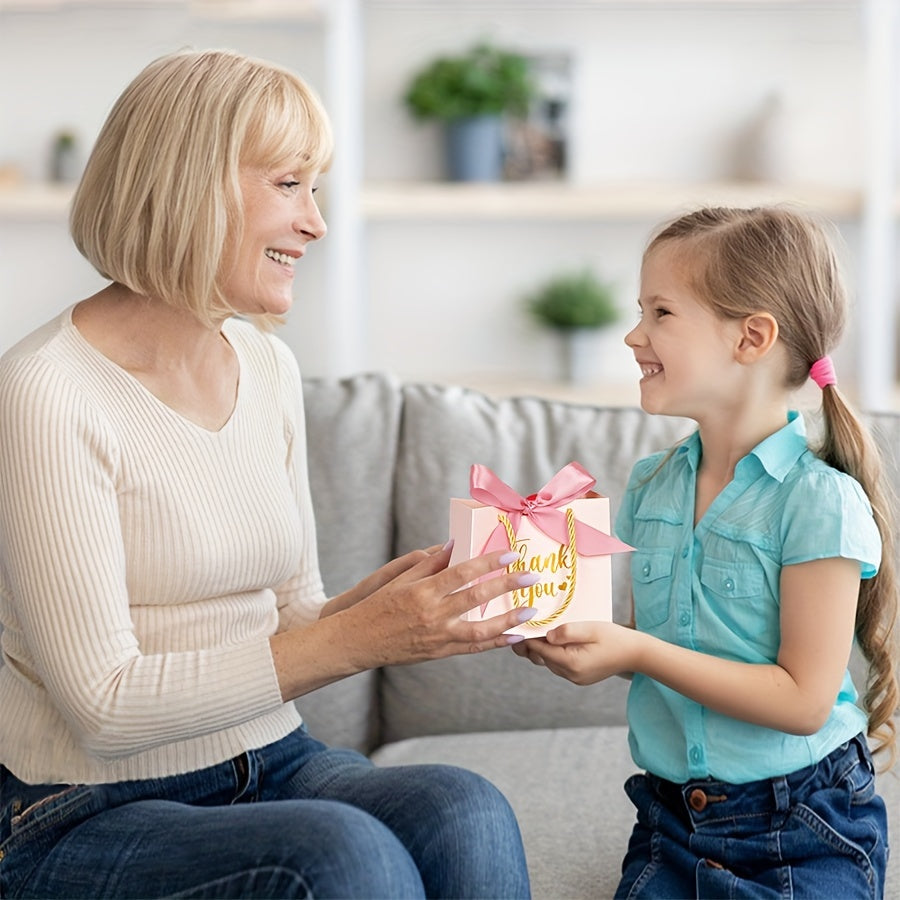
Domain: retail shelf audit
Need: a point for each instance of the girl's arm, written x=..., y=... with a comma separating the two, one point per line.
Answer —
x=795, y=694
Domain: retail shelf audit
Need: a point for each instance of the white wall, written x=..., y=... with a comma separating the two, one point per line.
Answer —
x=662, y=89
x=660, y=93
x=63, y=69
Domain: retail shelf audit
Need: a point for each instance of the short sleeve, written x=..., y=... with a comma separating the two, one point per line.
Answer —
x=827, y=515
x=640, y=473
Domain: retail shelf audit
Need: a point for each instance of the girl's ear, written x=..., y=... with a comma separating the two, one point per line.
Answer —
x=759, y=332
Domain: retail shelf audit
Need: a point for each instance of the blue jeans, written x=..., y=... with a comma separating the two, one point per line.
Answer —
x=818, y=832
x=294, y=819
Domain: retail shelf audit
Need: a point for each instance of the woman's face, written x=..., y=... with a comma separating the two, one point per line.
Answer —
x=280, y=218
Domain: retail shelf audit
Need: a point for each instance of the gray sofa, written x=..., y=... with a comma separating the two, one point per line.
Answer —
x=384, y=460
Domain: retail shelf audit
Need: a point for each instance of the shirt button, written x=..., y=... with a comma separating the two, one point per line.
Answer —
x=696, y=754
x=685, y=618
x=729, y=584
x=684, y=553
x=646, y=568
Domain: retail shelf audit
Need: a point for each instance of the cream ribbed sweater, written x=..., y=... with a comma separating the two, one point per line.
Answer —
x=145, y=562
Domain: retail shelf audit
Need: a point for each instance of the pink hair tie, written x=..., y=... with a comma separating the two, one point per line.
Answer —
x=822, y=372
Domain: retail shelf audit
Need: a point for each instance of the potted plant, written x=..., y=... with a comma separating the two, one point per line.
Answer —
x=470, y=94
x=577, y=306
x=63, y=157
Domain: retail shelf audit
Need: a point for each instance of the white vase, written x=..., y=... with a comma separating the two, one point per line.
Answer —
x=581, y=354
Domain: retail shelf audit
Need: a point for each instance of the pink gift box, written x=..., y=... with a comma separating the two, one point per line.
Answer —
x=561, y=532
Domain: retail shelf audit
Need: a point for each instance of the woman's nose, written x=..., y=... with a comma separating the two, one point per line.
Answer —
x=310, y=222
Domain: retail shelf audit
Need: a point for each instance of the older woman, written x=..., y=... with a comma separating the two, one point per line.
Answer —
x=160, y=596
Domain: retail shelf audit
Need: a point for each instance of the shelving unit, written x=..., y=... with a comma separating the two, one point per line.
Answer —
x=34, y=202
x=354, y=205
x=511, y=201
x=400, y=201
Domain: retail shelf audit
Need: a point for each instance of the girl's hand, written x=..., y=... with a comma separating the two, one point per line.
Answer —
x=582, y=652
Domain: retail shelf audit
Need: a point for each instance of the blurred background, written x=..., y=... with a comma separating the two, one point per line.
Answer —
x=634, y=112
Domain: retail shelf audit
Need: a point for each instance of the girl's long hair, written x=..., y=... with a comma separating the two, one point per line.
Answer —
x=778, y=261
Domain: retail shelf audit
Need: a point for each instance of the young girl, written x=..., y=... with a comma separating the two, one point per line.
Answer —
x=757, y=563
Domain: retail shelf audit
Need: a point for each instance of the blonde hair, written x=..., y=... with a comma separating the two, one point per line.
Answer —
x=159, y=202
x=778, y=261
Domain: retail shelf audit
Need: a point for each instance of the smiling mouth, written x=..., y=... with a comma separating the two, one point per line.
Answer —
x=279, y=257
x=648, y=370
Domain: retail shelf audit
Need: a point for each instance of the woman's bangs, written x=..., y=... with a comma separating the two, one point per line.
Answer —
x=296, y=128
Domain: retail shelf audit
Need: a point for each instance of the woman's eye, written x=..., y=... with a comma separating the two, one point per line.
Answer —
x=290, y=184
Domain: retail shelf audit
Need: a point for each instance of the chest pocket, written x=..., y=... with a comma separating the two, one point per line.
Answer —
x=732, y=580
x=737, y=596
x=651, y=576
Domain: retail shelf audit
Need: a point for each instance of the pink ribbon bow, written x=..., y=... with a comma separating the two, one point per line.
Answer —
x=570, y=483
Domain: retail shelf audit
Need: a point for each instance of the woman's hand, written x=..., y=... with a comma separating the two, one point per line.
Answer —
x=582, y=652
x=415, y=612
x=418, y=614
x=379, y=578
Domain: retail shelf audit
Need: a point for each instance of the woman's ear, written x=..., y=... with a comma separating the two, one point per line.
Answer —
x=759, y=332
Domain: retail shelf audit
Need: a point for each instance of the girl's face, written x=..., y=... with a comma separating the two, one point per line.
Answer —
x=280, y=218
x=685, y=351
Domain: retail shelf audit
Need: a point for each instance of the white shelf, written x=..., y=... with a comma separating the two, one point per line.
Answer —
x=35, y=202
x=228, y=10
x=41, y=6
x=514, y=201
x=259, y=10
x=408, y=201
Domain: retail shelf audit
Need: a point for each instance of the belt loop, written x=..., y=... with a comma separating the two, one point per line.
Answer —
x=781, y=793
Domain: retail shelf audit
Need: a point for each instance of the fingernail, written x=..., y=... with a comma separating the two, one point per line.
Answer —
x=526, y=613
x=448, y=545
x=508, y=558
x=515, y=638
x=526, y=579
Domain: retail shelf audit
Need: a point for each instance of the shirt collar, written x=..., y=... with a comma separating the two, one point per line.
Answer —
x=777, y=454
x=780, y=451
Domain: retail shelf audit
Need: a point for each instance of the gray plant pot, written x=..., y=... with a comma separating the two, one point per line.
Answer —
x=475, y=148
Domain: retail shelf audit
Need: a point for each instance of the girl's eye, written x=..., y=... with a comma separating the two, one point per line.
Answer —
x=661, y=311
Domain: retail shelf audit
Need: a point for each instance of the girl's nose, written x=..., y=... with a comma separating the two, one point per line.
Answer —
x=635, y=337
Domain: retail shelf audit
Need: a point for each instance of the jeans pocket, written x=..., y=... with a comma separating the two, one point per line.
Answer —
x=35, y=824
x=845, y=826
x=860, y=783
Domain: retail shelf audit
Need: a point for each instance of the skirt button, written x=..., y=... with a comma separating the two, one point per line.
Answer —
x=697, y=800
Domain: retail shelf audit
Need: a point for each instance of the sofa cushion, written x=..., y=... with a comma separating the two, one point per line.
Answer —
x=352, y=429
x=525, y=441
x=566, y=788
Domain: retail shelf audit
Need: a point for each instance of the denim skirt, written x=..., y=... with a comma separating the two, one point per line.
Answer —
x=818, y=832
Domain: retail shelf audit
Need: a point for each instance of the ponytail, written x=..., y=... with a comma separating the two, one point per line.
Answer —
x=848, y=446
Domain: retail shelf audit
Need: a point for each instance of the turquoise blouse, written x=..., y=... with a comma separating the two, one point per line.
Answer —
x=715, y=589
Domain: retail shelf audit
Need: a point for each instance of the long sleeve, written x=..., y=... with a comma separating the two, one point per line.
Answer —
x=142, y=560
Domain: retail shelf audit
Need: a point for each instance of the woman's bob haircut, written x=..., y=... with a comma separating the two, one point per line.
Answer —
x=159, y=203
